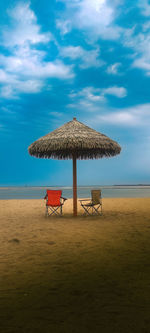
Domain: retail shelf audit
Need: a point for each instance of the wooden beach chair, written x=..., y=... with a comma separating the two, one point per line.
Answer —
x=54, y=202
x=93, y=207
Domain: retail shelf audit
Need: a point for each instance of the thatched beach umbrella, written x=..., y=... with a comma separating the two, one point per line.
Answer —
x=74, y=140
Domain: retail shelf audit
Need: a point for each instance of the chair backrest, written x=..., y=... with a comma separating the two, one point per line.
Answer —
x=53, y=197
x=96, y=196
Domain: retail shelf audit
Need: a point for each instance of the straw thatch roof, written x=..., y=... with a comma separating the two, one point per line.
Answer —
x=74, y=138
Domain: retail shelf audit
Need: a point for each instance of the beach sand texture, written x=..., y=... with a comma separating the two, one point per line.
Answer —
x=72, y=275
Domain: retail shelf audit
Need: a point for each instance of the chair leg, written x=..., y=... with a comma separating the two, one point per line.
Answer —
x=53, y=210
x=86, y=210
x=46, y=211
x=97, y=210
x=92, y=210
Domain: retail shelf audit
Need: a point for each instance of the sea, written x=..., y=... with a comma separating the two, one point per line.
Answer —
x=38, y=192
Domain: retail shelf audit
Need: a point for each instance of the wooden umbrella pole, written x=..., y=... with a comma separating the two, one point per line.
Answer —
x=74, y=186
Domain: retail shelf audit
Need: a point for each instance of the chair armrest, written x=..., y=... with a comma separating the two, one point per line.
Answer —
x=85, y=200
x=64, y=199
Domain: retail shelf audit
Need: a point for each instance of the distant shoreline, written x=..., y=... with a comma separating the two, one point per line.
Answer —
x=69, y=187
x=111, y=191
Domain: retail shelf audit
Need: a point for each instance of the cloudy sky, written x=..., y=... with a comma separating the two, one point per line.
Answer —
x=87, y=59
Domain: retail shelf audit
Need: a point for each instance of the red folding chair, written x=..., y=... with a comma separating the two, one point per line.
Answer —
x=54, y=202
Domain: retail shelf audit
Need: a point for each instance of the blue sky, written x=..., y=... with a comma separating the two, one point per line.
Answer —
x=61, y=59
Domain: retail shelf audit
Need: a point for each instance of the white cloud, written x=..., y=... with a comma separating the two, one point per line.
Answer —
x=96, y=16
x=7, y=92
x=90, y=93
x=29, y=86
x=12, y=85
x=142, y=63
x=98, y=94
x=64, y=26
x=55, y=114
x=25, y=69
x=94, y=99
x=140, y=44
x=146, y=26
x=30, y=63
x=87, y=59
x=30, y=78
x=114, y=68
x=118, y=118
x=145, y=7
x=119, y=92
x=138, y=115
x=5, y=77
x=25, y=28
x=89, y=99
x=93, y=13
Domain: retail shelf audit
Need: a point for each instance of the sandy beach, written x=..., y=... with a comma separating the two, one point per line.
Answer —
x=72, y=275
